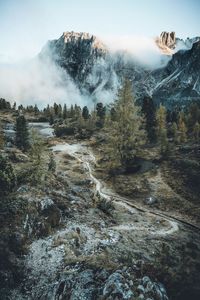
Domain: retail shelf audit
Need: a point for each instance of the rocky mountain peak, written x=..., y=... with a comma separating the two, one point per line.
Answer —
x=75, y=37
x=166, y=42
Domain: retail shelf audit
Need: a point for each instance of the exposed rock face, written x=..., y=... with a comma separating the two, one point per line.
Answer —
x=179, y=82
x=166, y=42
x=85, y=58
x=99, y=284
x=98, y=73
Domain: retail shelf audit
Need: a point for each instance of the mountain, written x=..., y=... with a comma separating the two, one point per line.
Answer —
x=86, y=59
x=166, y=42
x=179, y=82
x=98, y=72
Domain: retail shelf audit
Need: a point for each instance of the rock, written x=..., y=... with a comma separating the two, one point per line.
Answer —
x=152, y=290
x=17, y=242
x=95, y=70
x=46, y=203
x=80, y=287
x=150, y=200
x=50, y=211
x=166, y=42
x=116, y=286
x=23, y=189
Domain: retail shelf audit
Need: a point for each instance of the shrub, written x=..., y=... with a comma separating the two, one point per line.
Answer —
x=7, y=176
x=105, y=205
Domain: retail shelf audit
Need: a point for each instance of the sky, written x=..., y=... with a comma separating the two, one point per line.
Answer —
x=26, y=25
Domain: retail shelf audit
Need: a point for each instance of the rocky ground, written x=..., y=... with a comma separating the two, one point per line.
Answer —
x=79, y=237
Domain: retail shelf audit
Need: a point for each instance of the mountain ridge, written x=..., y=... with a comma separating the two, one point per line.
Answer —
x=98, y=73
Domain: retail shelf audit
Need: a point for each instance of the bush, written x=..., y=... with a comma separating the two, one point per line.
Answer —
x=105, y=205
x=7, y=176
x=61, y=131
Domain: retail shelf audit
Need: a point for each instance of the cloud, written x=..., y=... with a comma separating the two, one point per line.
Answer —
x=38, y=82
x=141, y=49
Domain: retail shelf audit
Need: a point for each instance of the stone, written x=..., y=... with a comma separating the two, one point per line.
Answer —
x=116, y=286
x=150, y=200
x=50, y=211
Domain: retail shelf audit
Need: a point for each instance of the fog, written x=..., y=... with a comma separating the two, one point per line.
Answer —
x=38, y=82
x=142, y=49
x=41, y=81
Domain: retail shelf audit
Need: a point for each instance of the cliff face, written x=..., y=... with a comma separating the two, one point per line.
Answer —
x=179, y=82
x=166, y=42
x=76, y=52
x=98, y=72
x=86, y=60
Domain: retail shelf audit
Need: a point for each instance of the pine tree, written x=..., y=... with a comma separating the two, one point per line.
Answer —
x=77, y=112
x=56, y=108
x=47, y=111
x=182, y=129
x=22, y=133
x=101, y=114
x=85, y=113
x=36, y=110
x=149, y=111
x=91, y=122
x=51, y=119
x=162, y=128
x=65, y=112
x=1, y=137
x=193, y=115
x=125, y=134
x=174, y=130
x=38, y=157
x=72, y=111
x=7, y=176
x=60, y=111
x=52, y=163
x=196, y=132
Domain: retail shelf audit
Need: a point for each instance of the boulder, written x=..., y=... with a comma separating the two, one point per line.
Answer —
x=50, y=211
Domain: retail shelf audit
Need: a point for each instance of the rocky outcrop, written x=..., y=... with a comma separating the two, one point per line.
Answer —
x=98, y=72
x=179, y=82
x=166, y=42
x=99, y=284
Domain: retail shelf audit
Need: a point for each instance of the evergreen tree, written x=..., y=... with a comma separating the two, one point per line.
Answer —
x=85, y=113
x=196, y=132
x=113, y=114
x=51, y=119
x=162, y=128
x=125, y=134
x=182, y=129
x=77, y=112
x=65, y=112
x=192, y=116
x=20, y=108
x=4, y=104
x=7, y=176
x=52, y=163
x=60, y=111
x=174, y=130
x=38, y=157
x=149, y=111
x=22, y=133
x=72, y=111
x=101, y=114
x=36, y=109
x=56, y=109
x=14, y=106
x=1, y=137
x=81, y=122
x=91, y=122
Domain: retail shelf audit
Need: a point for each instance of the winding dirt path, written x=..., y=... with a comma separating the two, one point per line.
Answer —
x=86, y=157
